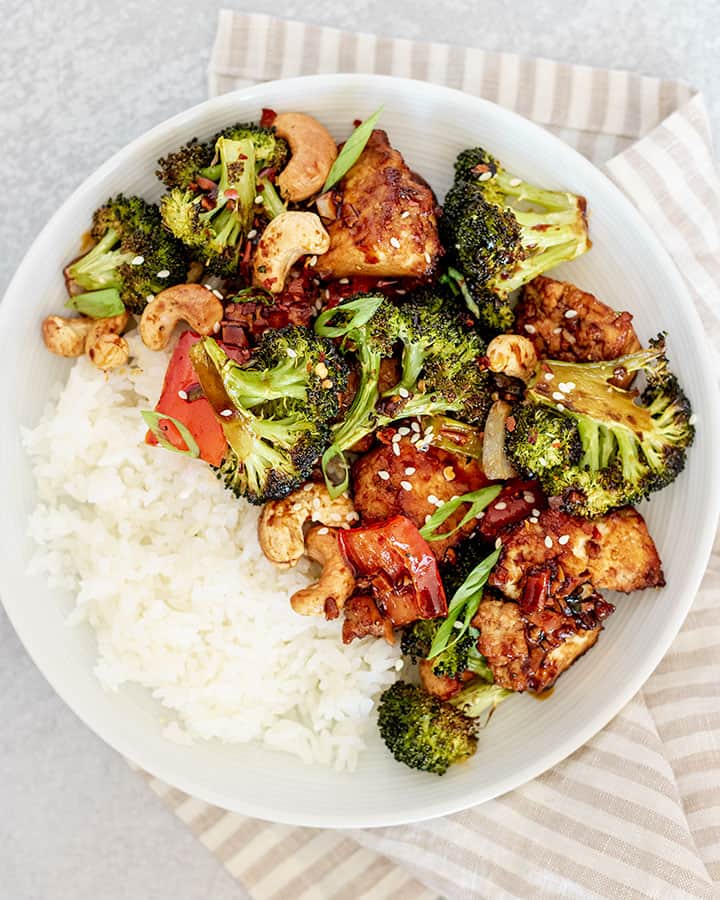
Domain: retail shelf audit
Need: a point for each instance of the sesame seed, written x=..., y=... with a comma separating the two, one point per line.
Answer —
x=208, y=287
x=528, y=497
x=530, y=329
x=560, y=407
x=558, y=396
x=312, y=261
x=415, y=438
x=570, y=313
x=405, y=485
x=428, y=258
x=455, y=497
x=309, y=486
x=415, y=426
x=316, y=503
x=486, y=176
x=252, y=233
x=226, y=412
x=327, y=294
x=351, y=517
x=163, y=273
x=449, y=473
x=395, y=243
x=563, y=539
x=549, y=376
x=215, y=291
x=396, y=438
x=344, y=281
x=258, y=199
x=536, y=512
x=403, y=431
x=427, y=518
x=182, y=395
x=501, y=505
x=567, y=386
x=291, y=353
x=557, y=330
x=498, y=544
x=400, y=293
x=693, y=419
x=396, y=449
x=296, y=507
x=410, y=470
x=548, y=541
x=384, y=475
x=404, y=393
x=405, y=214
x=216, y=328
x=137, y=260
x=480, y=515
x=399, y=663
x=323, y=530
x=150, y=298
x=533, y=519
x=434, y=501
x=514, y=182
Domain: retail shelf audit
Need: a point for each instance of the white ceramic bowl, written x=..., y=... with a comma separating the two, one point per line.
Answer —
x=627, y=268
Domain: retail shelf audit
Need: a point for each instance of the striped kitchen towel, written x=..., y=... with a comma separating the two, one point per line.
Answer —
x=636, y=812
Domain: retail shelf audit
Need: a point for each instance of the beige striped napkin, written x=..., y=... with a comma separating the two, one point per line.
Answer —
x=636, y=812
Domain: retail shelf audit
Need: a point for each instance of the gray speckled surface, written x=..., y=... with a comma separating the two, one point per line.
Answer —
x=79, y=80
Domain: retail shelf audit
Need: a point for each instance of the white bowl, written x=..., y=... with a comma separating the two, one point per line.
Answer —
x=627, y=268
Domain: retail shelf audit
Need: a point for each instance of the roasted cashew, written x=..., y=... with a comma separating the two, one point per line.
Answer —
x=104, y=345
x=280, y=530
x=336, y=583
x=313, y=152
x=288, y=237
x=66, y=337
x=191, y=303
x=513, y=355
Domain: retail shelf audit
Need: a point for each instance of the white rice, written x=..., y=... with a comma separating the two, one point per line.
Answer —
x=167, y=569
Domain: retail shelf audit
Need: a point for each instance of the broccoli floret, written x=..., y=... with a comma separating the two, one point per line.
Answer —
x=290, y=364
x=272, y=447
x=422, y=731
x=440, y=362
x=599, y=448
x=133, y=253
x=501, y=231
x=215, y=224
x=454, y=661
x=181, y=168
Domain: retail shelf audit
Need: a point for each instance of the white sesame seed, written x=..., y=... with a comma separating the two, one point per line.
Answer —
x=567, y=386
x=693, y=419
x=404, y=393
x=335, y=517
x=384, y=475
x=427, y=518
x=536, y=512
x=208, y=287
x=557, y=330
x=548, y=541
x=309, y=486
x=137, y=260
x=252, y=233
x=549, y=376
x=399, y=663
x=403, y=431
x=514, y=182
x=528, y=497
x=351, y=517
x=312, y=261
x=316, y=503
x=415, y=426
x=163, y=273
x=405, y=214
x=455, y=497
x=480, y=515
x=395, y=243
x=558, y=396
x=296, y=507
x=216, y=328
x=396, y=449
x=428, y=258
x=410, y=470
x=560, y=407
x=570, y=313
x=344, y=281
x=498, y=544
x=563, y=539
x=290, y=352
x=400, y=293
x=182, y=395
x=217, y=293
x=259, y=199
x=396, y=438
x=150, y=298
x=405, y=485
x=327, y=293
x=530, y=329
x=486, y=176
x=533, y=519
x=434, y=501
x=415, y=438
x=501, y=505
x=226, y=412
x=323, y=530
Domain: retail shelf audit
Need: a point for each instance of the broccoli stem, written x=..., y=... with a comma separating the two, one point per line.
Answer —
x=522, y=191
x=537, y=263
x=99, y=267
x=250, y=387
x=272, y=204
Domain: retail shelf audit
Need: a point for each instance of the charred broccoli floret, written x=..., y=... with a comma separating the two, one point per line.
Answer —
x=454, y=661
x=272, y=446
x=593, y=444
x=441, y=370
x=180, y=168
x=500, y=232
x=214, y=224
x=133, y=253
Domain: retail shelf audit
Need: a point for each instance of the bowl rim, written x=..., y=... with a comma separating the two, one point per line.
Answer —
x=165, y=770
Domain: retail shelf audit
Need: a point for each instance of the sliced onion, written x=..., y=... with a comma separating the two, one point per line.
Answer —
x=327, y=206
x=494, y=459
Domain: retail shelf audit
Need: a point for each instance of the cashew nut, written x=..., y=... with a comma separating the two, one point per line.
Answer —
x=287, y=237
x=280, y=530
x=336, y=582
x=513, y=355
x=66, y=337
x=313, y=153
x=104, y=345
x=191, y=303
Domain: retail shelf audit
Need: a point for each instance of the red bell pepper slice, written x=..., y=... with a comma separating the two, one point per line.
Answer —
x=197, y=415
x=400, y=566
x=514, y=503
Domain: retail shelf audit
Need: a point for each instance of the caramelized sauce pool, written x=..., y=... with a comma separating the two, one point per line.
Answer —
x=544, y=695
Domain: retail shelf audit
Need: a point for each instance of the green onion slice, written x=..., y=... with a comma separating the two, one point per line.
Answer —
x=153, y=419
x=352, y=149
x=478, y=500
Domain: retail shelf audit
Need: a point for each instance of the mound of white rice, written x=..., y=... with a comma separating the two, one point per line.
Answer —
x=168, y=571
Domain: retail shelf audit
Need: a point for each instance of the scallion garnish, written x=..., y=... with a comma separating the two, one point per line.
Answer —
x=153, y=420
x=478, y=500
x=352, y=149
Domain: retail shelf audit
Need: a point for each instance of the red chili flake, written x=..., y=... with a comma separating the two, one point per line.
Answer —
x=268, y=117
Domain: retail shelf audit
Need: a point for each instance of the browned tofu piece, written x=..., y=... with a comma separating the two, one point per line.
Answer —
x=363, y=619
x=566, y=323
x=614, y=552
x=380, y=479
x=386, y=224
x=529, y=653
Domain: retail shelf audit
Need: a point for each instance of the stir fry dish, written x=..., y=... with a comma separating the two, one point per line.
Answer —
x=456, y=439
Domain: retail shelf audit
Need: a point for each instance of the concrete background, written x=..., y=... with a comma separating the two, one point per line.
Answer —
x=79, y=79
